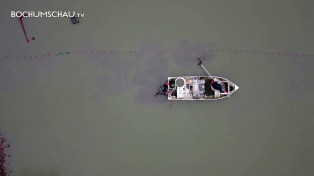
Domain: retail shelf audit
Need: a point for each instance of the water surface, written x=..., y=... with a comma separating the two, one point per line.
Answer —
x=95, y=114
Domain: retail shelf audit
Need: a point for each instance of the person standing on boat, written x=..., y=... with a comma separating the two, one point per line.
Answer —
x=216, y=84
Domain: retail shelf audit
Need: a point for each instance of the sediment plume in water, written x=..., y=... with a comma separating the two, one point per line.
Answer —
x=3, y=156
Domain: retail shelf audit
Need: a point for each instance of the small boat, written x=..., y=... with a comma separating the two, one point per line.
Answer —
x=197, y=87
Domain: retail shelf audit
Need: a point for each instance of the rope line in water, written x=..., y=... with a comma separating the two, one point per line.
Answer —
x=209, y=51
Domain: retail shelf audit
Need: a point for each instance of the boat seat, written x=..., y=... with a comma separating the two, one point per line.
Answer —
x=208, y=89
x=225, y=86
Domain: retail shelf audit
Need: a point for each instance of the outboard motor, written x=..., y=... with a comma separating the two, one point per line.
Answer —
x=162, y=89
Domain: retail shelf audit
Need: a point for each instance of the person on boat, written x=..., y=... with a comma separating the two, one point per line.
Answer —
x=216, y=84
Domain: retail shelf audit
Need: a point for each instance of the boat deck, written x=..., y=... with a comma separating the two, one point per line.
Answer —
x=197, y=88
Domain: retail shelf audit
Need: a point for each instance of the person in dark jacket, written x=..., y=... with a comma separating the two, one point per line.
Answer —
x=216, y=84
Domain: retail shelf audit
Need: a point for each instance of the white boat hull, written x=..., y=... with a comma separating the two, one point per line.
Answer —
x=198, y=88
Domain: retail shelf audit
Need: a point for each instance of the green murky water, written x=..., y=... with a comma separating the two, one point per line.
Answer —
x=95, y=114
